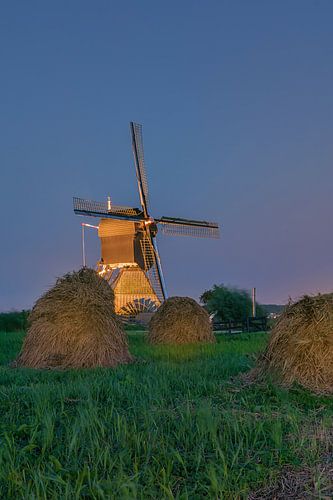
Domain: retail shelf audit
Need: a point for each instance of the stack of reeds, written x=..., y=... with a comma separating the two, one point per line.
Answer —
x=73, y=325
x=180, y=320
x=301, y=345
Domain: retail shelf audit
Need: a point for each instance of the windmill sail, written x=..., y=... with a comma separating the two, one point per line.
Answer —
x=159, y=271
x=186, y=227
x=137, y=143
x=101, y=209
x=153, y=265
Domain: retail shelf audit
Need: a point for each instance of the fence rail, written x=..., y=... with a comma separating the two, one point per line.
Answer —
x=248, y=325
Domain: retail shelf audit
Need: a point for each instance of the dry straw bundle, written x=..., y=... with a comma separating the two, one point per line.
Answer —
x=180, y=320
x=73, y=325
x=301, y=345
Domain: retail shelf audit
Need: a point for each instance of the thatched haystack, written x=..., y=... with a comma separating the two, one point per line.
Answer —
x=301, y=345
x=73, y=325
x=180, y=320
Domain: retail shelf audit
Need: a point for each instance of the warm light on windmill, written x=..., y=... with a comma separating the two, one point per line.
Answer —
x=130, y=260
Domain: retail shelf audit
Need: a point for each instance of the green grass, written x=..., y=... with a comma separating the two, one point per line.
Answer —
x=179, y=423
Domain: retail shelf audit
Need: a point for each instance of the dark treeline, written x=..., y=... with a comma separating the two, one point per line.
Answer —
x=230, y=303
x=13, y=321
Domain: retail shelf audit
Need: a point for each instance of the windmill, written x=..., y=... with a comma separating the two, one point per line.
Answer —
x=130, y=260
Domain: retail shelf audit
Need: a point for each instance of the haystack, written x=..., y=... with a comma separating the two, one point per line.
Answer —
x=300, y=348
x=73, y=325
x=180, y=320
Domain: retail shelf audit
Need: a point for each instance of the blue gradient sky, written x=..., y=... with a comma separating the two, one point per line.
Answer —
x=236, y=102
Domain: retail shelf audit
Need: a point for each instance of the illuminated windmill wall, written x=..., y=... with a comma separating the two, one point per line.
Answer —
x=129, y=256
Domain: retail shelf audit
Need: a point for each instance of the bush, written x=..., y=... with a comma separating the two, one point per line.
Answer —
x=13, y=321
x=230, y=303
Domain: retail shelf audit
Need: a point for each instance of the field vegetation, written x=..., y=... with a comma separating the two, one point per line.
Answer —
x=13, y=321
x=230, y=303
x=181, y=422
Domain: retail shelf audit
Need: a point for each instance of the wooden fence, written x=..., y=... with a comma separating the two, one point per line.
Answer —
x=248, y=325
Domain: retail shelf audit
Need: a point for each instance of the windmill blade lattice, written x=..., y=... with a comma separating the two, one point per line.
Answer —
x=137, y=140
x=197, y=229
x=101, y=209
x=151, y=259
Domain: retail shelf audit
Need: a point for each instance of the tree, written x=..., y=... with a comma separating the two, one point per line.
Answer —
x=229, y=303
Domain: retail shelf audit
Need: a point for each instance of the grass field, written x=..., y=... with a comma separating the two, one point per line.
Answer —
x=179, y=423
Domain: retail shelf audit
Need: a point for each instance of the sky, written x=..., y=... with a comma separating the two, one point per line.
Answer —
x=236, y=103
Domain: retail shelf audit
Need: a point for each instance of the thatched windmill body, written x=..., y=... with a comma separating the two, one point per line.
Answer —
x=130, y=260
